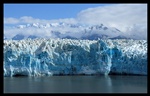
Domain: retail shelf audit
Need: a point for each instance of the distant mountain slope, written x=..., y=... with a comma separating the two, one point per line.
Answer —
x=70, y=31
x=18, y=37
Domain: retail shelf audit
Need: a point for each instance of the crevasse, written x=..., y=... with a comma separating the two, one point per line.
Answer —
x=46, y=57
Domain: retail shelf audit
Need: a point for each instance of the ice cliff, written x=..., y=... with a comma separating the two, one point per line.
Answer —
x=40, y=57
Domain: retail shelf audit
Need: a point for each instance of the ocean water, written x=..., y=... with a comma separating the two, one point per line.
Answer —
x=76, y=84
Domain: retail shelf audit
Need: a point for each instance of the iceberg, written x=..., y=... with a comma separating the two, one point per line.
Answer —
x=47, y=57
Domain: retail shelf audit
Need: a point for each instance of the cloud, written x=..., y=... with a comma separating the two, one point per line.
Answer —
x=138, y=31
x=29, y=19
x=49, y=32
x=27, y=31
x=118, y=15
x=11, y=21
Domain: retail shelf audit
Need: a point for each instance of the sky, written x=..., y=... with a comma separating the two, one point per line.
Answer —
x=46, y=11
x=129, y=18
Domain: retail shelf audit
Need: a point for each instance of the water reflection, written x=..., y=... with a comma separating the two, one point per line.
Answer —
x=76, y=84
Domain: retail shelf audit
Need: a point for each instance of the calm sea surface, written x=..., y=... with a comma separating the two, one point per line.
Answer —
x=76, y=84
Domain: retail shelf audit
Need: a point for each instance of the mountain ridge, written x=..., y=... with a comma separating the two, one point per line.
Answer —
x=68, y=31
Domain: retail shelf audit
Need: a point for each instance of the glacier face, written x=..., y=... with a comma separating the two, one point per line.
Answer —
x=46, y=57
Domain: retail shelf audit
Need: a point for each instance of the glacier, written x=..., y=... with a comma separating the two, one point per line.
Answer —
x=48, y=57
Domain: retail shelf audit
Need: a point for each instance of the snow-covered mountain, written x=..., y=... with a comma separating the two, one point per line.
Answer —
x=18, y=37
x=64, y=30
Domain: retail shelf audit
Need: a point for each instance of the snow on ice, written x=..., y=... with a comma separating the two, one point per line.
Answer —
x=46, y=57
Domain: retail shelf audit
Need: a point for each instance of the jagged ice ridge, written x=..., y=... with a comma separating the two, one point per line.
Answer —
x=47, y=57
